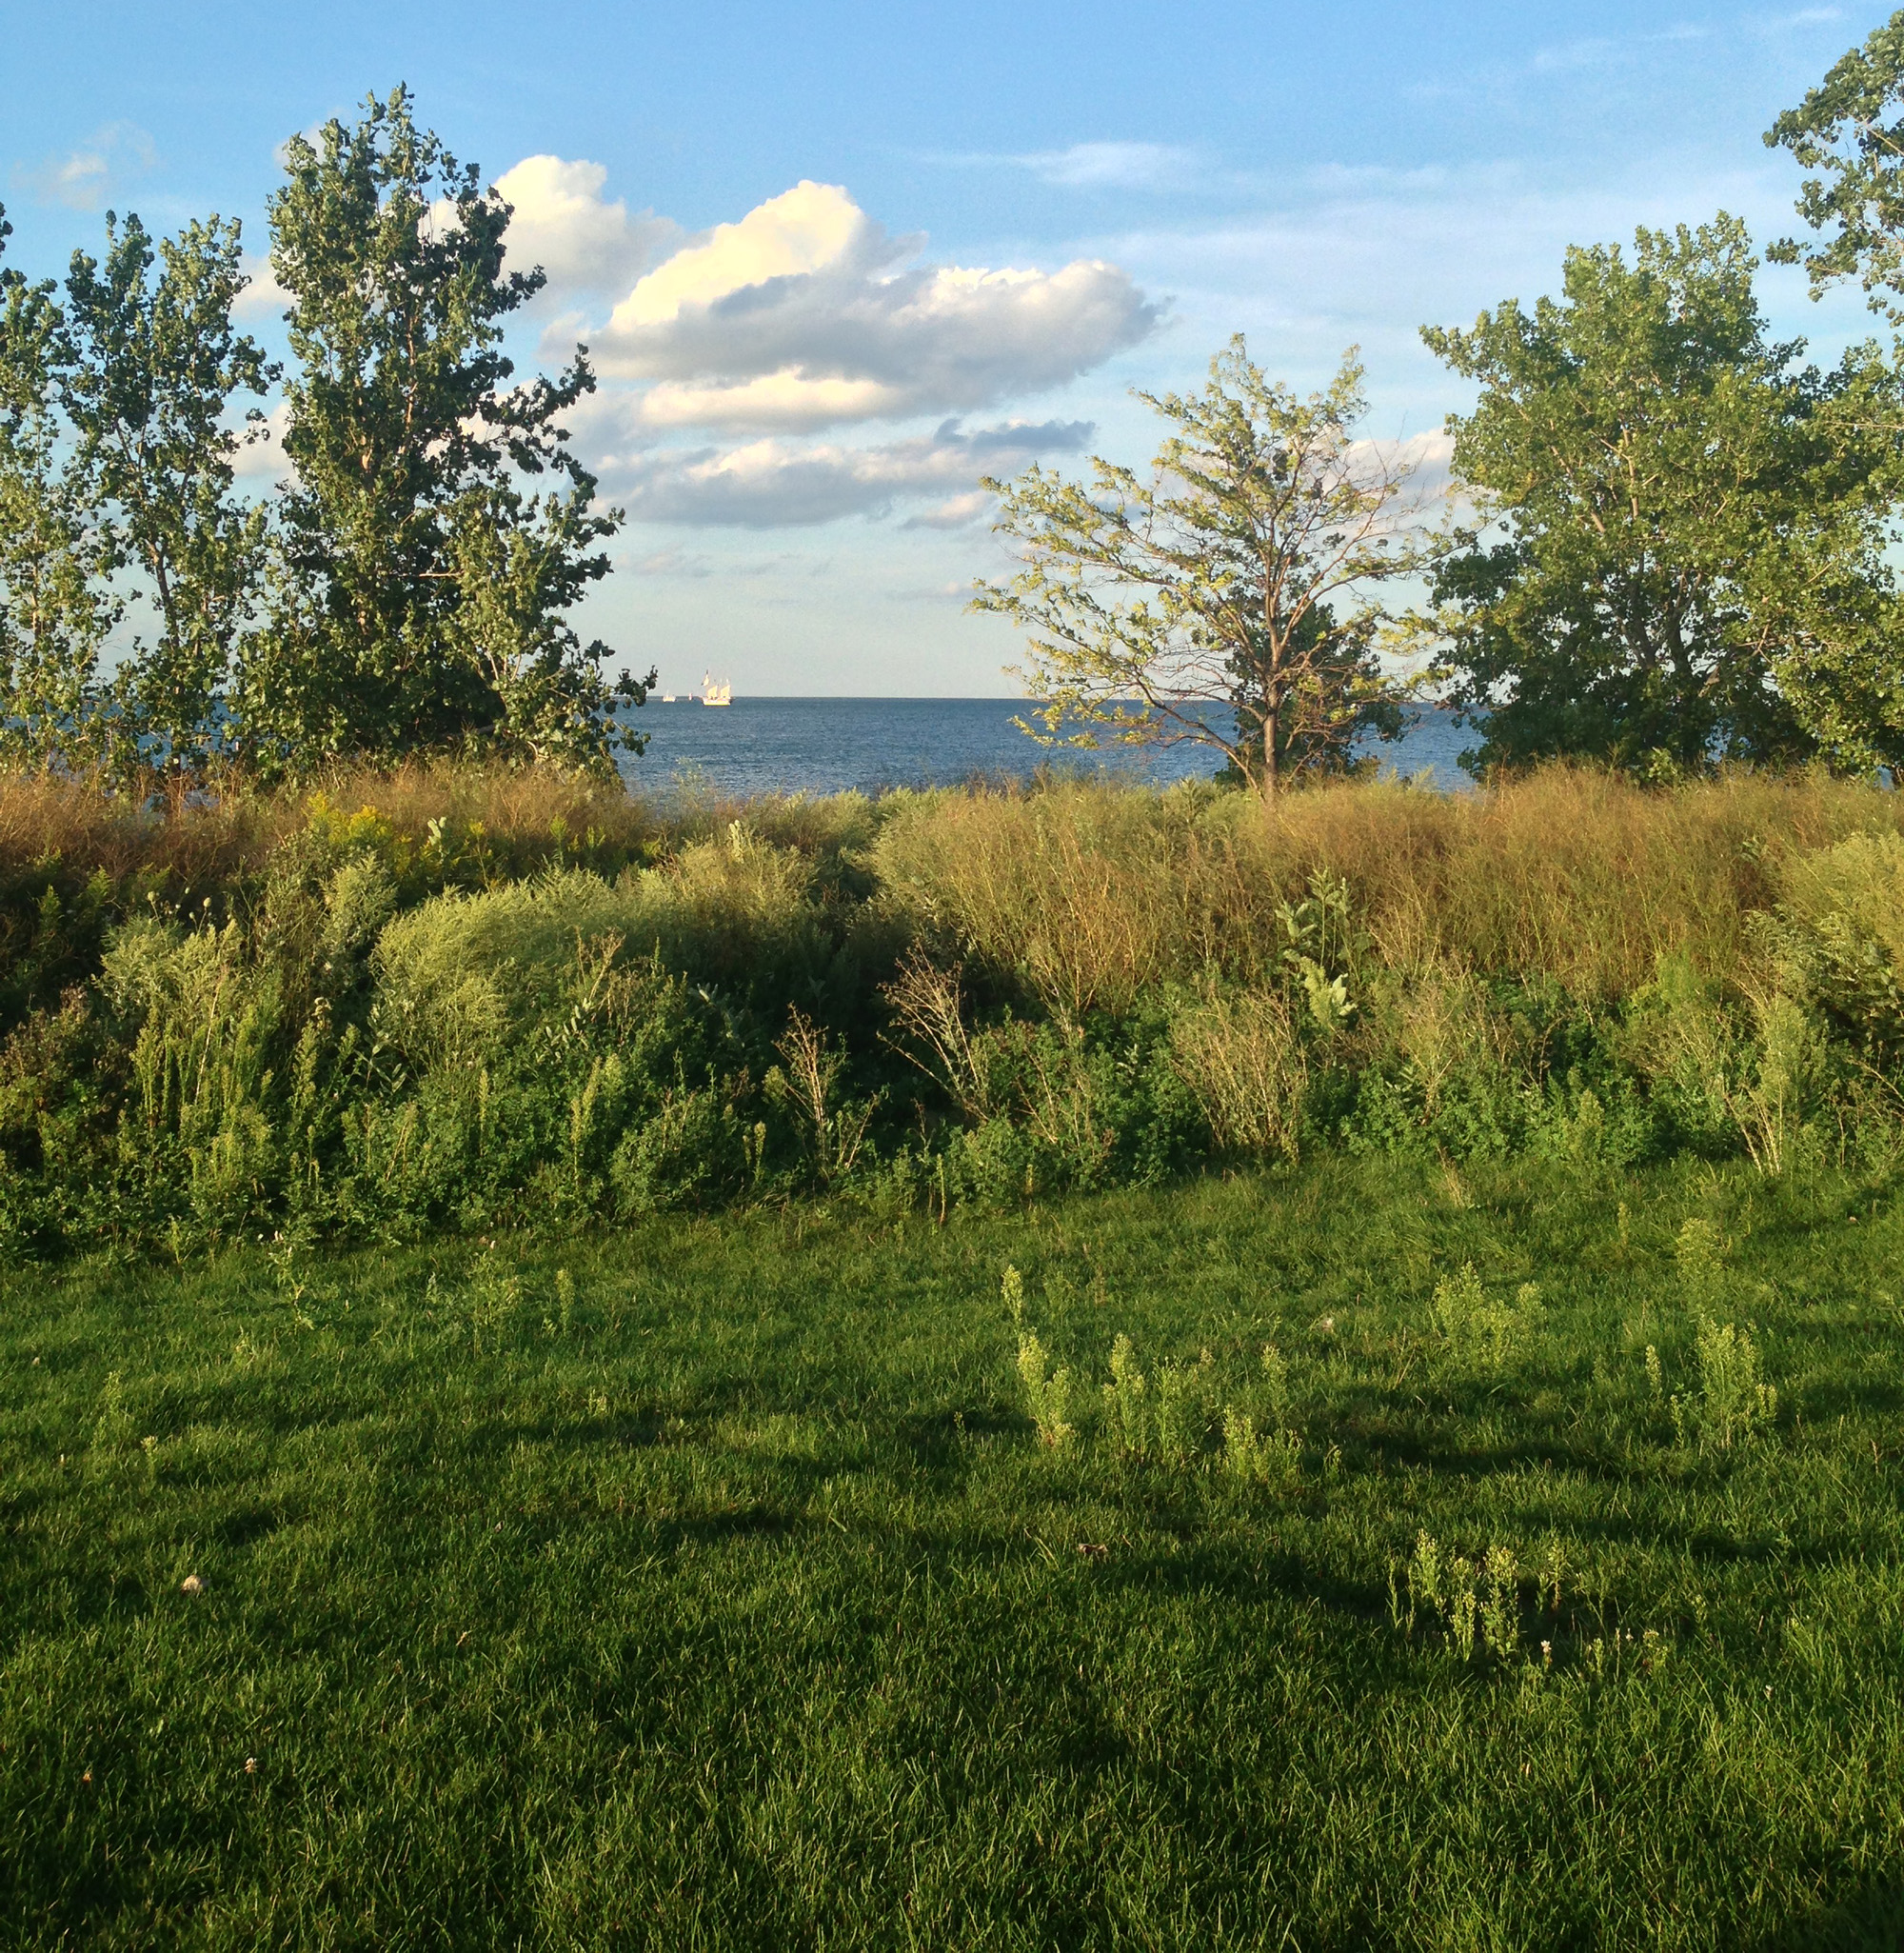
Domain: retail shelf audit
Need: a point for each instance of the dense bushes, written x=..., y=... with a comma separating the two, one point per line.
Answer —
x=451, y=999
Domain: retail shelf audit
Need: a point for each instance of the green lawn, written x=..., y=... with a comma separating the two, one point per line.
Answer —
x=720, y=1592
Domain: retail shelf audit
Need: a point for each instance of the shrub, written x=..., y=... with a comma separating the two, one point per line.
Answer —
x=1239, y=1056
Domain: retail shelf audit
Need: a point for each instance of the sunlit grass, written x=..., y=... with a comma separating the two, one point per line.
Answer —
x=709, y=1586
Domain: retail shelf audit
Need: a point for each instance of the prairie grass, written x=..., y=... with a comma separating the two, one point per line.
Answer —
x=451, y=998
x=708, y=1583
x=1087, y=893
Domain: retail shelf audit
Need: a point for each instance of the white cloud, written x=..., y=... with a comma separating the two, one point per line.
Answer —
x=262, y=297
x=806, y=313
x=563, y=223
x=781, y=400
x=809, y=228
x=82, y=180
x=1114, y=166
x=771, y=484
x=959, y=511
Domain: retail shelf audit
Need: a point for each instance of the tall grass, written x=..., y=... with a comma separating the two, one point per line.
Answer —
x=1087, y=893
x=449, y=996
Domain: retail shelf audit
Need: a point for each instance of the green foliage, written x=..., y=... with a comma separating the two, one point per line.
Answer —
x=395, y=1019
x=1733, y=1403
x=1482, y=1333
x=422, y=594
x=56, y=608
x=1216, y=582
x=1125, y=1410
x=1473, y=1603
x=149, y=374
x=1841, y=130
x=1047, y=1392
x=1687, y=558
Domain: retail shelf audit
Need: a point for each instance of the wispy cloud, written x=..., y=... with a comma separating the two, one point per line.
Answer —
x=103, y=164
x=959, y=512
x=1115, y=165
x=774, y=484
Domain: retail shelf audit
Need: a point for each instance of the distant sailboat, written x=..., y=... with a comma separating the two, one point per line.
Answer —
x=712, y=694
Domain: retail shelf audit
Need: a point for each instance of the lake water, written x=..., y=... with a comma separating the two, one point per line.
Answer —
x=831, y=745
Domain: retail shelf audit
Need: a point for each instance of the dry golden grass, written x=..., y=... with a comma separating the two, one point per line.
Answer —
x=1087, y=892
x=47, y=821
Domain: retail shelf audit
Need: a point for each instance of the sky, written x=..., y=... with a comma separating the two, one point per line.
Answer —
x=835, y=263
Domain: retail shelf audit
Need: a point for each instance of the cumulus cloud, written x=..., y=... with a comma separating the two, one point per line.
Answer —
x=773, y=484
x=82, y=179
x=806, y=313
x=563, y=223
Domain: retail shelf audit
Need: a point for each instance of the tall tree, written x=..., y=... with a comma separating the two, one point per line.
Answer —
x=149, y=372
x=410, y=448
x=56, y=608
x=1850, y=130
x=1229, y=597
x=1685, y=552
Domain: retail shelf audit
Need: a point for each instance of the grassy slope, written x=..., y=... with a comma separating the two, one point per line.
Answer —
x=743, y=1608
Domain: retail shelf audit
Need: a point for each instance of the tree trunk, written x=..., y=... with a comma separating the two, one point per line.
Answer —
x=1272, y=711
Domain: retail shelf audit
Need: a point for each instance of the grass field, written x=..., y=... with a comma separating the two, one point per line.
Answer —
x=709, y=1586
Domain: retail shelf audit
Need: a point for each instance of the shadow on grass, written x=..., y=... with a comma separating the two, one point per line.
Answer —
x=1872, y=1918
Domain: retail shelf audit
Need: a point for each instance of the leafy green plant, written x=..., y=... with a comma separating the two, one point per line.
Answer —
x=1047, y=1392
x=1271, y=1457
x=1468, y=1602
x=1182, y=1408
x=1700, y=1254
x=1733, y=1403
x=1125, y=1410
x=1483, y=1332
x=112, y=1430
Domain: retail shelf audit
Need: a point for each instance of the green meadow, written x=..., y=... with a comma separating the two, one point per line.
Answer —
x=769, y=1578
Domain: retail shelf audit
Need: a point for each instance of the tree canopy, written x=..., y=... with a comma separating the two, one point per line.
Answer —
x=1229, y=596
x=1682, y=556
x=408, y=589
x=1850, y=129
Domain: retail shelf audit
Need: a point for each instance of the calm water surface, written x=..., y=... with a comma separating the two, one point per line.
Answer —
x=831, y=745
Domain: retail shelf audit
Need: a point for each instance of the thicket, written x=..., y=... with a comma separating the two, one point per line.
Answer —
x=456, y=998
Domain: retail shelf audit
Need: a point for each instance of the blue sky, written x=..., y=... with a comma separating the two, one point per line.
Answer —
x=985, y=223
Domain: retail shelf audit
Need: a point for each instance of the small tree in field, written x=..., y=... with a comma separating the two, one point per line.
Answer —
x=1240, y=573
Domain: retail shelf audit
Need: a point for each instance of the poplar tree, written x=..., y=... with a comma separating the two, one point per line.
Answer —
x=1849, y=130
x=419, y=593
x=150, y=370
x=56, y=608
